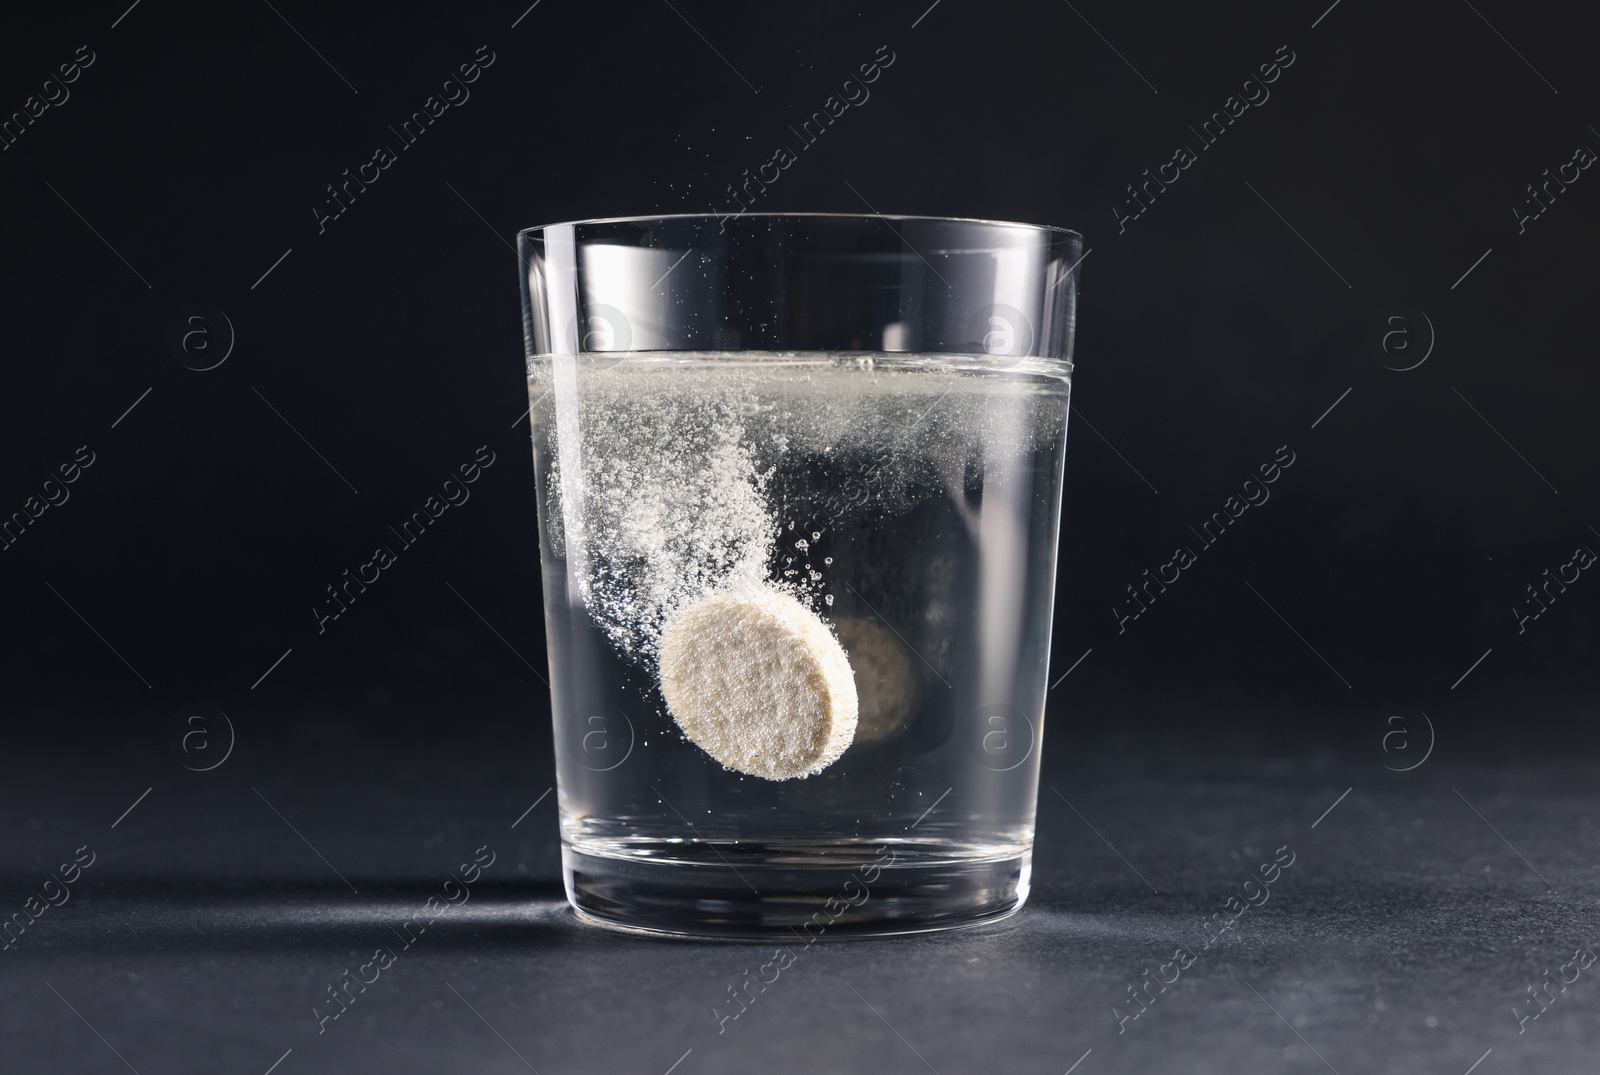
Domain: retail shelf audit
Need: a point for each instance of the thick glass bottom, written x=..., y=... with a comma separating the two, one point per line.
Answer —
x=754, y=895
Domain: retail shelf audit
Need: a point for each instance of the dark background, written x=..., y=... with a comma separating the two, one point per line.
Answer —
x=376, y=356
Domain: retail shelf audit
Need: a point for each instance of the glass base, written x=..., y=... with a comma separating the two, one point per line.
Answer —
x=800, y=902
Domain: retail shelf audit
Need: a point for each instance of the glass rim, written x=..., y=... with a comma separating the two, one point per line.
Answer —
x=803, y=214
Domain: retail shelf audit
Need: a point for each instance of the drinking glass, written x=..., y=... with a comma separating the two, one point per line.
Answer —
x=854, y=426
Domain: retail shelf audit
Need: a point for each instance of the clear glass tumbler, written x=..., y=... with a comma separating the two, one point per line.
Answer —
x=799, y=486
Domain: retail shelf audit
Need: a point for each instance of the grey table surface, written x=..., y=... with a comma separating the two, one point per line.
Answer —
x=221, y=907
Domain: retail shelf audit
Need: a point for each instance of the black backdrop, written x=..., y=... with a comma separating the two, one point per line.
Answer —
x=1217, y=325
x=1369, y=210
